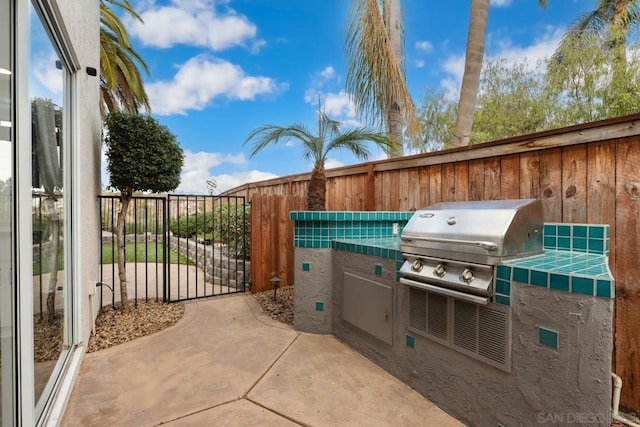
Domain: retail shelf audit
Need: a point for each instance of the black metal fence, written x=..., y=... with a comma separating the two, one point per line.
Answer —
x=177, y=247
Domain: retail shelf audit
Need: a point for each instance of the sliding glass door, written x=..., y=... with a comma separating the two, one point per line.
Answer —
x=7, y=236
x=51, y=282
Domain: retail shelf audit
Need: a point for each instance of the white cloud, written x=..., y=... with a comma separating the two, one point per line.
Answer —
x=198, y=167
x=541, y=49
x=451, y=88
x=319, y=80
x=328, y=73
x=257, y=45
x=339, y=105
x=205, y=161
x=202, y=79
x=46, y=72
x=333, y=163
x=501, y=3
x=419, y=63
x=194, y=183
x=192, y=22
x=454, y=66
x=424, y=46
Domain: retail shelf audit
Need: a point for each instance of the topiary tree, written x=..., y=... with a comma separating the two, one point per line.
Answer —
x=142, y=155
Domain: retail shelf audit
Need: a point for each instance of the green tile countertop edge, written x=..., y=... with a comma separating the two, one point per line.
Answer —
x=350, y=215
x=388, y=247
x=568, y=271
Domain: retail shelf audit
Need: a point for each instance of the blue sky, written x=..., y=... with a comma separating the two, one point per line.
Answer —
x=221, y=68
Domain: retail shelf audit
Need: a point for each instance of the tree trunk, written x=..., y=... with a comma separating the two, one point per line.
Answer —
x=51, y=213
x=120, y=238
x=472, y=68
x=316, y=195
x=392, y=22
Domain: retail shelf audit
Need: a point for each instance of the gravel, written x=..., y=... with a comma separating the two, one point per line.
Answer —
x=280, y=309
x=114, y=327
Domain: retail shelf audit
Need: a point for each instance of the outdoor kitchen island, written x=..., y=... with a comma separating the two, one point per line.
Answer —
x=538, y=351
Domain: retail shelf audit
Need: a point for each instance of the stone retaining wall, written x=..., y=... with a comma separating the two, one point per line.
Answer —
x=218, y=268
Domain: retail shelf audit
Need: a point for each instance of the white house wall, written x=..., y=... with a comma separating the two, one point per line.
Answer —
x=82, y=26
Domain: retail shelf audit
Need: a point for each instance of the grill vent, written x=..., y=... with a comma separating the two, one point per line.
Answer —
x=481, y=332
x=418, y=309
x=437, y=316
x=492, y=334
x=465, y=325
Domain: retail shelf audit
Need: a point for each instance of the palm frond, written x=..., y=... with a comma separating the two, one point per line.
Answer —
x=375, y=77
x=266, y=135
x=330, y=136
x=121, y=82
x=355, y=140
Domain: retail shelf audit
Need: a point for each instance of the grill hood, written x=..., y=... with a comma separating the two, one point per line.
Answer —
x=485, y=232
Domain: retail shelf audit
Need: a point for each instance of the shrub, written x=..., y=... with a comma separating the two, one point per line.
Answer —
x=228, y=224
x=234, y=229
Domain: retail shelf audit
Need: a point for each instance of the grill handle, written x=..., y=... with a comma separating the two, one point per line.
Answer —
x=445, y=291
x=489, y=246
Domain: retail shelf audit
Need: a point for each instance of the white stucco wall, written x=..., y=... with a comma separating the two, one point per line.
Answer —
x=82, y=26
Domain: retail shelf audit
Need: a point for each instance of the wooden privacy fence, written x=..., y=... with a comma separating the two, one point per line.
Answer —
x=583, y=174
x=272, y=239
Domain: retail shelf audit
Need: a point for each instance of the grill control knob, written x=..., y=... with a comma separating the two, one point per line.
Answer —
x=416, y=266
x=467, y=276
x=439, y=271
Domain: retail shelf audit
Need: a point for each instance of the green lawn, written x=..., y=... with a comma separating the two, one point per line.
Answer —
x=45, y=266
x=151, y=252
x=131, y=249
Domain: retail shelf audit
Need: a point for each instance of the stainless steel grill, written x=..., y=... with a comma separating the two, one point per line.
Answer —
x=452, y=248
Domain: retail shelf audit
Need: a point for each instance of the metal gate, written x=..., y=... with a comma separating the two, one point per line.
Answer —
x=178, y=247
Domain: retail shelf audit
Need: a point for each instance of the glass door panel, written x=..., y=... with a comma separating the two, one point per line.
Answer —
x=47, y=80
x=7, y=237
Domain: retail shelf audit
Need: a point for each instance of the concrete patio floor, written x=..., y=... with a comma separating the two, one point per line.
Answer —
x=227, y=364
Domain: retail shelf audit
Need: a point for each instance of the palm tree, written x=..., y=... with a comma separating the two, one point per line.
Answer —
x=612, y=20
x=472, y=69
x=375, y=76
x=121, y=85
x=329, y=137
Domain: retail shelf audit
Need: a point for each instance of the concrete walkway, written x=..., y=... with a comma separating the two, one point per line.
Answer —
x=227, y=364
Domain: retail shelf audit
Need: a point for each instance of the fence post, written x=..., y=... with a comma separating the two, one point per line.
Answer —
x=370, y=189
x=166, y=296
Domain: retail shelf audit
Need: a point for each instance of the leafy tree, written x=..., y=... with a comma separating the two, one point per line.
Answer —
x=589, y=87
x=121, y=85
x=142, y=155
x=516, y=100
x=437, y=117
x=328, y=137
x=578, y=78
x=375, y=75
x=512, y=101
x=613, y=21
x=472, y=68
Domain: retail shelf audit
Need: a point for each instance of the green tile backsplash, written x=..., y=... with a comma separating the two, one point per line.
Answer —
x=318, y=229
x=590, y=238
